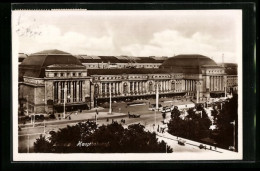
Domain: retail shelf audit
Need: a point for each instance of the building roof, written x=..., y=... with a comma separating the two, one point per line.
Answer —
x=119, y=59
x=65, y=66
x=193, y=60
x=21, y=57
x=35, y=64
x=230, y=68
x=132, y=71
x=190, y=64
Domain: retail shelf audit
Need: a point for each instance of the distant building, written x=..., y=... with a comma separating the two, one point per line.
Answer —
x=49, y=78
x=21, y=57
x=113, y=62
x=89, y=79
x=231, y=71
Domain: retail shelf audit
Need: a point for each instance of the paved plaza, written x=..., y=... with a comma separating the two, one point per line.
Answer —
x=150, y=119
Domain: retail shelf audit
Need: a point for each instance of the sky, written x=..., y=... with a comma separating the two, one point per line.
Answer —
x=212, y=33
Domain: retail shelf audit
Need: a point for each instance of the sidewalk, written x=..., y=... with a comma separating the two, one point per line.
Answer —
x=168, y=138
x=79, y=117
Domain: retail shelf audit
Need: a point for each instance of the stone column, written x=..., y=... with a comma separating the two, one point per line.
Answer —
x=105, y=88
x=59, y=91
x=53, y=91
x=115, y=87
x=77, y=91
x=216, y=83
x=221, y=83
x=128, y=86
x=212, y=83
x=65, y=91
x=215, y=86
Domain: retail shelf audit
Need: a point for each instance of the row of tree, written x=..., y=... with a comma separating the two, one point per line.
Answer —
x=196, y=124
x=86, y=137
x=226, y=122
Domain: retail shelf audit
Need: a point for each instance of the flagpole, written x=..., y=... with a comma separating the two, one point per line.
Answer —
x=110, y=102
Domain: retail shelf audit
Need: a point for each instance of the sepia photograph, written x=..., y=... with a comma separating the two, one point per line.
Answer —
x=102, y=85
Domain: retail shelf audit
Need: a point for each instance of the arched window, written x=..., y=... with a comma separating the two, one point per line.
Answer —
x=125, y=88
x=173, y=85
x=150, y=87
x=96, y=89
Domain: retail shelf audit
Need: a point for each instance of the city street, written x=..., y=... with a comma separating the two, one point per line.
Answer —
x=148, y=118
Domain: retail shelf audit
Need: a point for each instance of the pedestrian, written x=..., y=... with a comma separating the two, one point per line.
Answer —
x=69, y=118
x=163, y=130
x=158, y=129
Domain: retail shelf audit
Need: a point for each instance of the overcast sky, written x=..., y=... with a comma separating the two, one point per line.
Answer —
x=133, y=33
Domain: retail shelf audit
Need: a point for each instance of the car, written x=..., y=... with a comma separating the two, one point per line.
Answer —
x=153, y=106
x=201, y=146
x=181, y=142
x=134, y=116
x=166, y=109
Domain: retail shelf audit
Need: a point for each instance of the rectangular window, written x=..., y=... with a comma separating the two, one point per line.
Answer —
x=103, y=88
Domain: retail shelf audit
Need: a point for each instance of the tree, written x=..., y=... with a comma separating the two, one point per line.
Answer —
x=228, y=114
x=175, y=112
x=42, y=145
x=112, y=138
x=195, y=126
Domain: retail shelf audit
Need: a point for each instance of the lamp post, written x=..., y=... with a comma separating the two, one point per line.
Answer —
x=44, y=126
x=198, y=86
x=110, y=101
x=28, y=145
x=27, y=105
x=157, y=97
x=64, y=100
x=234, y=134
x=157, y=104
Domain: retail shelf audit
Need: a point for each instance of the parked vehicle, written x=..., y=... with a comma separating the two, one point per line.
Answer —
x=153, y=106
x=181, y=142
x=201, y=146
x=134, y=116
x=166, y=109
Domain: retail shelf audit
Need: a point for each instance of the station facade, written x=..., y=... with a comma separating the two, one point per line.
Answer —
x=53, y=79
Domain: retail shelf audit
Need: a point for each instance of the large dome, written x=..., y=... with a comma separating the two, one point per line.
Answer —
x=193, y=61
x=35, y=64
